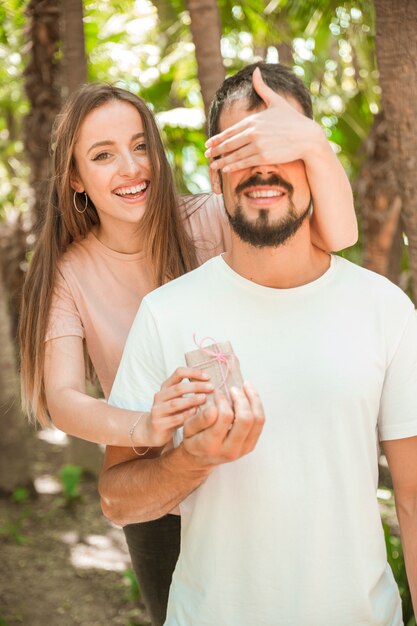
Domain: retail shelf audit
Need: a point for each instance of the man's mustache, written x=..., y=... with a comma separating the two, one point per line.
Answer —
x=257, y=180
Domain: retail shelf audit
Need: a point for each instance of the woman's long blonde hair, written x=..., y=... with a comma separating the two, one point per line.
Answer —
x=168, y=248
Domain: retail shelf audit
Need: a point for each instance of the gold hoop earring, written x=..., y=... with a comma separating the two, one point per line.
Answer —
x=74, y=201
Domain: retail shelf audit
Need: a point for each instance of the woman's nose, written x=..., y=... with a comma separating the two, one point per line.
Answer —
x=129, y=165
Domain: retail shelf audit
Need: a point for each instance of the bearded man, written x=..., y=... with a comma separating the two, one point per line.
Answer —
x=280, y=520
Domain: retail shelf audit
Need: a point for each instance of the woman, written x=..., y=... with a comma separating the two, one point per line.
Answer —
x=113, y=230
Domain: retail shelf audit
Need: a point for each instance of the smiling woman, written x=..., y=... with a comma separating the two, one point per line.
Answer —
x=107, y=148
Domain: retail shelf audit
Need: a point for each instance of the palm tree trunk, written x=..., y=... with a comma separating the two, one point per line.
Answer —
x=380, y=204
x=396, y=47
x=206, y=32
x=74, y=59
x=41, y=73
x=15, y=436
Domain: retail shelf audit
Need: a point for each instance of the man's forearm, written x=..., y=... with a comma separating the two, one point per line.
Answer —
x=407, y=516
x=140, y=490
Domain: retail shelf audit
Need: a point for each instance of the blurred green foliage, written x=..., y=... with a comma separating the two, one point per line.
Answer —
x=21, y=495
x=70, y=478
x=12, y=529
x=147, y=47
x=14, y=189
x=132, y=584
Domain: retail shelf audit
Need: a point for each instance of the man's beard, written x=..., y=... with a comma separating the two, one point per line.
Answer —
x=262, y=233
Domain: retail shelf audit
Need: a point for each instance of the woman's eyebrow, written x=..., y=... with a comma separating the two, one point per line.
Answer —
x=109, y=142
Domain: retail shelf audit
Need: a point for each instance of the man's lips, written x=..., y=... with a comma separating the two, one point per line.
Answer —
x=264, y=192
x=264, y=198
x=273, y=183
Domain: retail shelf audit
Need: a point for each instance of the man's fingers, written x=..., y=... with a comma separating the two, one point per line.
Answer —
x=218, y=417
x=200, y=421
x=258, y=415
x=242, y=422
x=254, y=400
x=223, y=433
x=225, y=416
x=252, y=436
x=249, y=421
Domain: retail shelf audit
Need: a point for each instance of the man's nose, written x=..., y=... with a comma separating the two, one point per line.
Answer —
x=264, y=170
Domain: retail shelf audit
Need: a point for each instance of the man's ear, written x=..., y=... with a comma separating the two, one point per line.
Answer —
x=76, y=183
x=215, y=179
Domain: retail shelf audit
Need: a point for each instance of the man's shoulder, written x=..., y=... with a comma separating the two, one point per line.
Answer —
x=373, y=288
x=366, y=277
x=190, y=285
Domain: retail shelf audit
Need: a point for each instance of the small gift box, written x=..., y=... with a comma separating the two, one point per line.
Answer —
x=218, y=361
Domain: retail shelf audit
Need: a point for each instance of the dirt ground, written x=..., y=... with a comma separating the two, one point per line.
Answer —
x=63, y=564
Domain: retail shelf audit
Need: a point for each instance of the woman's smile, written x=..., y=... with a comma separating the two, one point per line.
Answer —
x=133, y=192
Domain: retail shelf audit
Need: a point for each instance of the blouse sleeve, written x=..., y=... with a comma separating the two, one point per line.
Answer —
x=64, y=319
x=207, y=224
x=217, y=213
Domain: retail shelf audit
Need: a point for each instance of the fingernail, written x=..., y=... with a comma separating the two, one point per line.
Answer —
x=205, y=376
x=214, y=165
x=226, y=168
x=234, y=390
x=208, y=153
x=208, y=143
x=201, y=396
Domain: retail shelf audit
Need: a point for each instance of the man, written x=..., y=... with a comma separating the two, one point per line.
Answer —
x=280, y=521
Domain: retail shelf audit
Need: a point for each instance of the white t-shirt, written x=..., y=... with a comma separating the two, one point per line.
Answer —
x=290, y=534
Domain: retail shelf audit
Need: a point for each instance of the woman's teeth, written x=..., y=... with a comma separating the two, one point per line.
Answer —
x=131, y=190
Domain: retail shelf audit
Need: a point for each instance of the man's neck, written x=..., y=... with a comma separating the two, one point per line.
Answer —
x=295, y=263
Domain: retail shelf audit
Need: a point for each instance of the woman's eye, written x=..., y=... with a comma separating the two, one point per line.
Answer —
x=141, y=147
x=101, y=156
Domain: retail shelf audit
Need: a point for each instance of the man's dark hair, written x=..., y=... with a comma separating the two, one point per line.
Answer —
x=278, y=77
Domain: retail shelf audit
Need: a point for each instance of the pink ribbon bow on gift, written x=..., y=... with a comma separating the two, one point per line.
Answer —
x=224, y=361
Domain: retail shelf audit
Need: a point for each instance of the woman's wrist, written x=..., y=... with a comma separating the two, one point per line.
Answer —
x=316, y=146
x=140, y=433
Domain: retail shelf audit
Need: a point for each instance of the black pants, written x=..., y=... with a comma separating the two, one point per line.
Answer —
x=154, y=548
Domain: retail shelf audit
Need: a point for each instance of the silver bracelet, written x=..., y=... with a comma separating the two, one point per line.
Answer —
x=131, y=431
